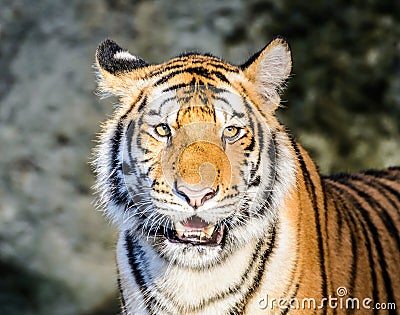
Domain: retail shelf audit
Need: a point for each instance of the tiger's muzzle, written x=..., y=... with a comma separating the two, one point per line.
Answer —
x=197, y=169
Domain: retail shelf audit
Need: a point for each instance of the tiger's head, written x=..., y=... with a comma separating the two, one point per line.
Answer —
x=193, y=163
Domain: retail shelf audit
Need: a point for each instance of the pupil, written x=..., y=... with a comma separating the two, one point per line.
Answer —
x=231, y=130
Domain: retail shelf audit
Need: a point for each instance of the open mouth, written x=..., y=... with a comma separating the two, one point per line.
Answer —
x=196, y=231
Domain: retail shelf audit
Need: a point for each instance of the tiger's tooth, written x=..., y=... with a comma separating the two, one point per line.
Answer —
x=183, y=232
x=209, y=230
x=180, y=229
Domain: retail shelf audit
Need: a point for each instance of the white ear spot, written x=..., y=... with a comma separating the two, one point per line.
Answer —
x=125, y=55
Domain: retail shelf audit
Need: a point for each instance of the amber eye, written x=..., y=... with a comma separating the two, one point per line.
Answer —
x=231, y=132
x=163, y=130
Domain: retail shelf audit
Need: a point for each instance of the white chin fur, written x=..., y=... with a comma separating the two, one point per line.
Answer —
x=191, y=256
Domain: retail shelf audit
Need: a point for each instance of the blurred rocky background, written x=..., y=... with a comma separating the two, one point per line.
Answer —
x=56, y=251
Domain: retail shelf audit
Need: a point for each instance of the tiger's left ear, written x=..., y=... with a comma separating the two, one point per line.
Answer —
x=269, y=69
x=117, y=69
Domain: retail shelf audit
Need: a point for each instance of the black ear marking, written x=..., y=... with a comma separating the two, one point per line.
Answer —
x=108, y=59
x=252, y=58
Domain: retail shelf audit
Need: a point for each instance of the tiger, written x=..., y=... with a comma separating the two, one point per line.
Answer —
x=220, y=210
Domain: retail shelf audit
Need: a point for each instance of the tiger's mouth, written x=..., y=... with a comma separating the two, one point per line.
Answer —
x=196, y=231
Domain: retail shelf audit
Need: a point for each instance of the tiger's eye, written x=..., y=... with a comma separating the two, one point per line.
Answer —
x=231, y=132
x=163, y=130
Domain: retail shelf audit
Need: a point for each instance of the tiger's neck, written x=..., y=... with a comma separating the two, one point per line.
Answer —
x=298, y=269
x=155, y=287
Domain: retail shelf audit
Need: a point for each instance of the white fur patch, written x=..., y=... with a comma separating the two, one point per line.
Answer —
x=125, y=55
x=275, y=66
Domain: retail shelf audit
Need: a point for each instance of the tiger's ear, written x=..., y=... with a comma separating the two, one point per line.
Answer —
x=117, y=69
x=269, y=69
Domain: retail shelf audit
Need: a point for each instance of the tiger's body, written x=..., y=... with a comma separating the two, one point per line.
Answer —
x=220, y=210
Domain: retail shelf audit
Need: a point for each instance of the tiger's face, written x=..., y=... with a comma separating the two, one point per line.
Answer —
x=193, y=152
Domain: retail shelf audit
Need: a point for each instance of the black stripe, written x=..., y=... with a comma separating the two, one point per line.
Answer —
x=382, y=174
x=119, y=195
x=375, y=235
x=296, y=263
x=182, y=63
x=240, y=306
x=292, y=298
x=163, y=70
x=250, y=112
x=160, y=106
x=135, y=254
x=325, y=207
x=350, y=198
x=122, y=298
x=139, y=139
x=351, y=223
x=233, y=112
x=195, y=70
x=222, y=66
x=129, y=138
x=383, y=214
x=256, y=167
x=393, y=192
x=268, y=194
x=255, y=182
x=312, y=193
x=236, y=288
x=115, y=145
x=176, y=87
x=389, y=189
x=142, y=104
x=201, y=71
x=138, y=99
x=340, y=217
x=220, y=76
x=251, y=145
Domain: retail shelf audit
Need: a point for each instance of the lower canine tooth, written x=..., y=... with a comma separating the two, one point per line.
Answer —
x=180, y=229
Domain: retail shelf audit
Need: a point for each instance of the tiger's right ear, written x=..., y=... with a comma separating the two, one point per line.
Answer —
x=117, y=69
x=269, y=69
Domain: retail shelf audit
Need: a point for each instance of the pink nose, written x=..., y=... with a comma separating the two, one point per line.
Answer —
x=196, y=198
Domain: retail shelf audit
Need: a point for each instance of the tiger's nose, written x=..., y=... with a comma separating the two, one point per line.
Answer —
x=196, y=198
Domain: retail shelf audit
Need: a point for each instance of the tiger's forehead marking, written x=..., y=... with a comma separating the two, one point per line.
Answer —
x=196, y=81
x=196, y=105
x=192, y=63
